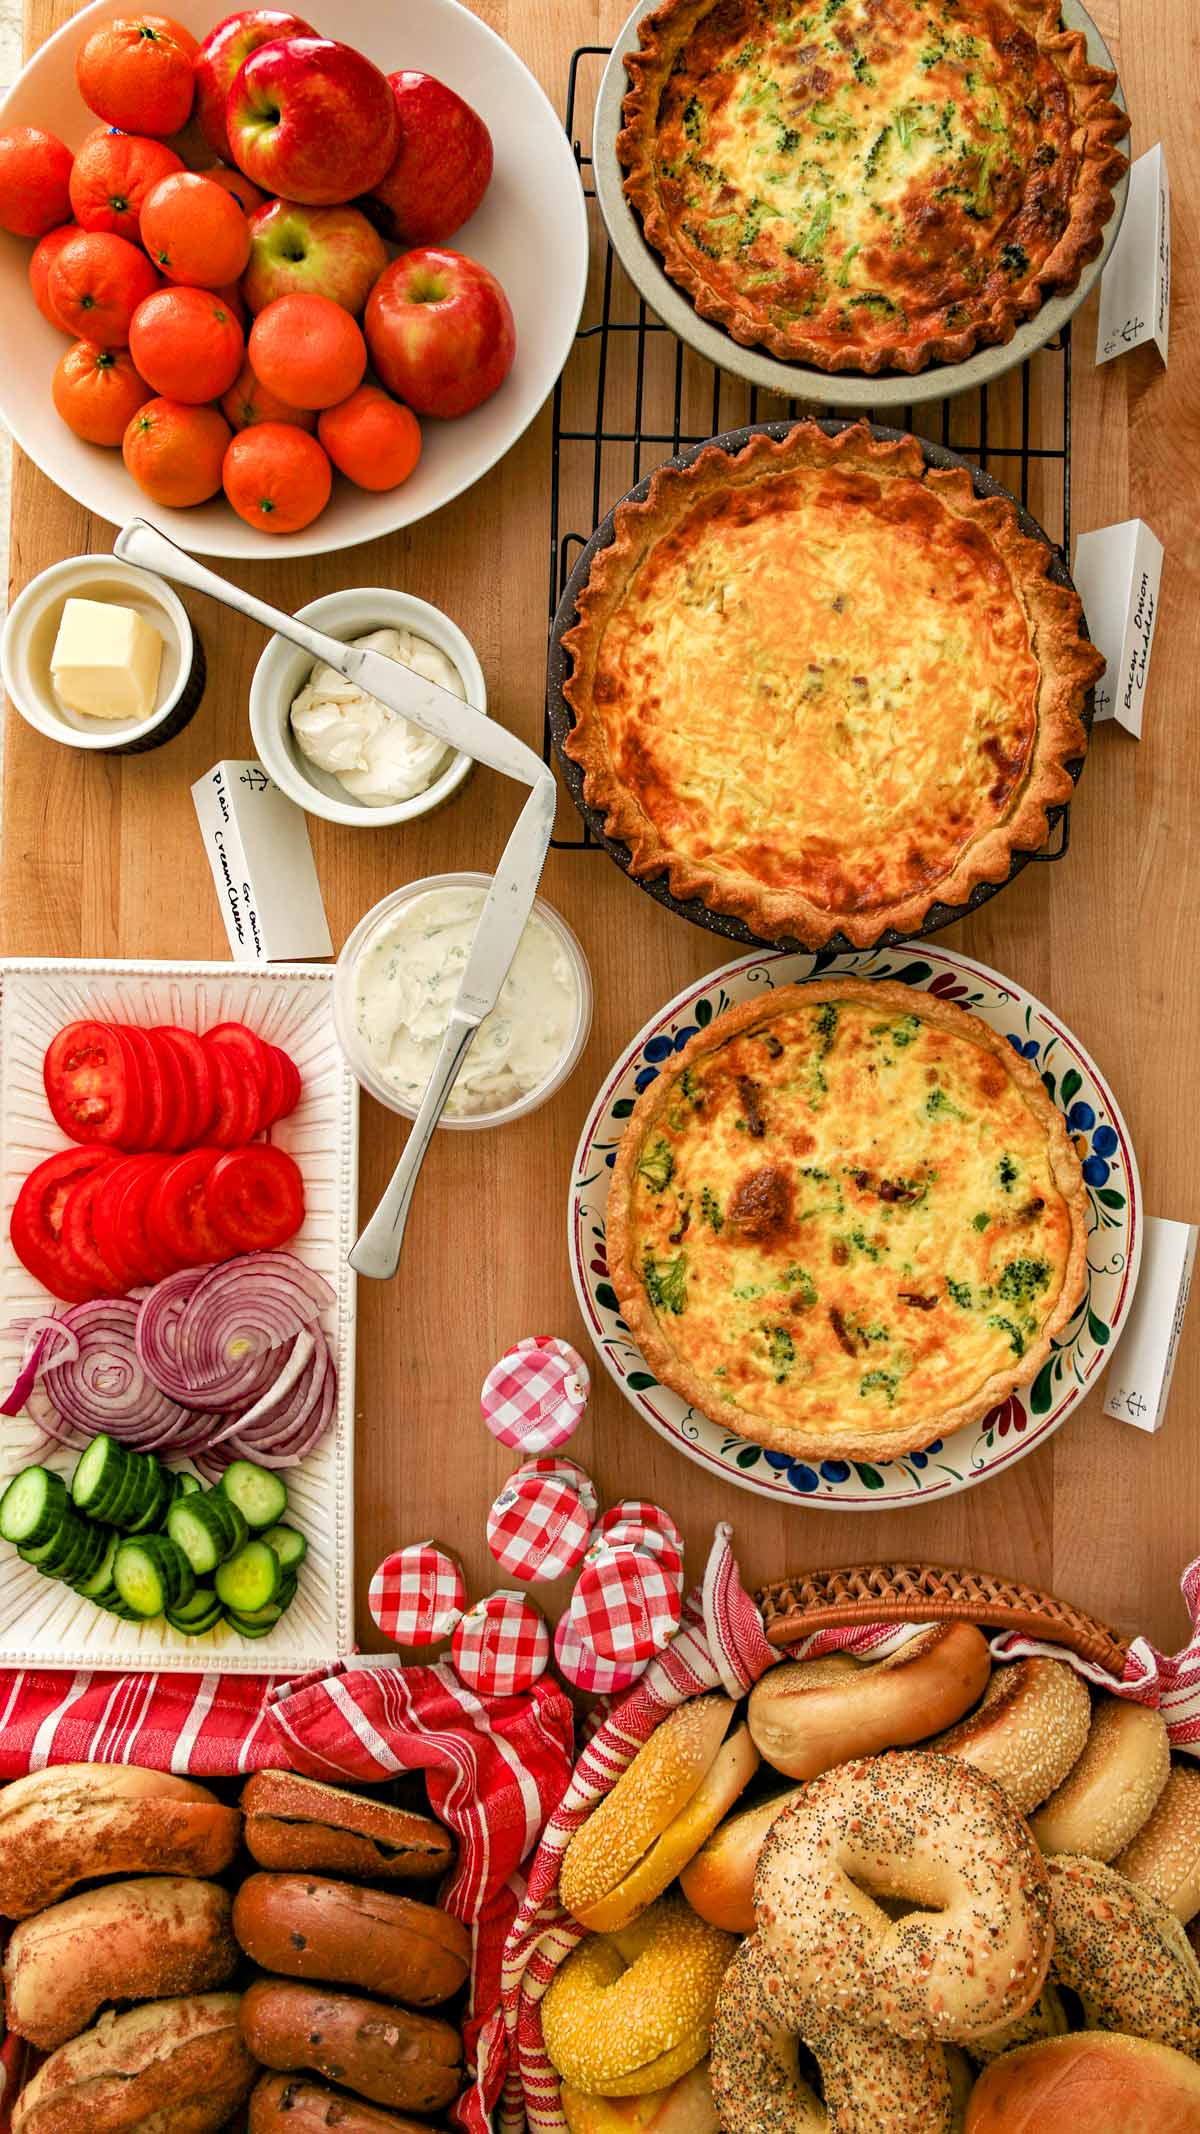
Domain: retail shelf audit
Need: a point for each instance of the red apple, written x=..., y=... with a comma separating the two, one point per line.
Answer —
x=315, y=251
x=312, y=120
x=440, y=331
x=443, y=166
x=221, y=56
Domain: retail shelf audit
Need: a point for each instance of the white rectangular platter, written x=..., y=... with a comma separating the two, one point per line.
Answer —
x=43, y=1623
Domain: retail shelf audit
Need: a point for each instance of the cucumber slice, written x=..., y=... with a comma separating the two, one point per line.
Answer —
x=197, y=1626
x=33, y=1507
x=290, y=1547
x=202, y=1599
x=67, y=1548
x=89, y=1557
x=184, y=1486
x=247, y=1629
x=202, y=1527
x=101, y=1478
x=250, y=1579
x=259, y=1495
x=99, y=1587
x=134, y=1491
x=151, y=1574
x=150, y=1509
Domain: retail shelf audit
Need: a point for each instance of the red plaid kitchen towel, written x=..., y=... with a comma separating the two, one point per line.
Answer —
x=495, y=1768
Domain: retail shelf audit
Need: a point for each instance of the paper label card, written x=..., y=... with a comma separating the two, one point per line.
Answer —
x=1139, y=1376
x=256, y=843
x=1118, y=572
x=1135, y=289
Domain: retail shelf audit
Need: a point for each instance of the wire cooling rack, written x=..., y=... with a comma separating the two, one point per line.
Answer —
x=632, y=394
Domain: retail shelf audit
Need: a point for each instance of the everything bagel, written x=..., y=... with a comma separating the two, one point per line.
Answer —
x=809, y=1715
x=942, y=1838
x=1124, y=1954
x=631, y=2012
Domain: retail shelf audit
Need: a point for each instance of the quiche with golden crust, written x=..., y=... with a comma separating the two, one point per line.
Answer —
x=848, y=1220
x=823, y=686
x=869, y=184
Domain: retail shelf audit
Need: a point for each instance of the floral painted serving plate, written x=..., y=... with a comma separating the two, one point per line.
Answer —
x=1027, y=1418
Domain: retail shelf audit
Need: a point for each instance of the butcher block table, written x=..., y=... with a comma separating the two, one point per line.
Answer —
x=102, y=858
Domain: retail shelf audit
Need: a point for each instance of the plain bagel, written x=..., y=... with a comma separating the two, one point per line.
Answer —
x=873, y=2082
x=1028, y=1731
x=972, y=1951
x=805, y=1719
x=662, y=1808
x=686, y=2108
x=631, y=2012
x=1124, y=1954
x=719, y=1882
x=1164, y=1858
x=127, y=1941
x=1094, y=2081
x=1106, y=1797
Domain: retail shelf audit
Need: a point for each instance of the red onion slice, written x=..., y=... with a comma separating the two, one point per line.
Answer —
x=104, y=1387
x=40, y=1335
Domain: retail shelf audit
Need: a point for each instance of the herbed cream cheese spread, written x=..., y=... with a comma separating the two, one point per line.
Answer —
x=406, y=978
x=379, y=756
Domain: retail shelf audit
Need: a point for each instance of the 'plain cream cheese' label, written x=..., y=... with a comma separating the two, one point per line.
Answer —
x=105, y=661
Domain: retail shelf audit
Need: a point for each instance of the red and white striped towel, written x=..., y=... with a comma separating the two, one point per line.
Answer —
x=495, y=1768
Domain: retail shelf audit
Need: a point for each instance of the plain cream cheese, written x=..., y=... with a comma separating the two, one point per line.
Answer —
x=106, y=660
x=405, y=982
x=378, y=755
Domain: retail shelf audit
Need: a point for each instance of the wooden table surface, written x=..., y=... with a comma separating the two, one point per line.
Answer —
x=102, y=858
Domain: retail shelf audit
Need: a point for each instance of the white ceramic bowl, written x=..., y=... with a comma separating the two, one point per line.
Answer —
x=28, y=642
x=531, y=230
x=284, y=669
x=357, y=1058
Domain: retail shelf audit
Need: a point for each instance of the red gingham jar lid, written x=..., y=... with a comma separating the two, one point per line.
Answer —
x=570, y=1471
x=537, y=1528
x=584, y=1669
x=417, y=1595
x=501, y=1646
x=534, y=1398
x=637, y=1512
x=651, y=1540
x=626, y=1604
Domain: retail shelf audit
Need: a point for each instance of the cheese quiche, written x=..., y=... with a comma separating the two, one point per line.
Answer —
x=824, y=687
x=847, y=1221
x=869, y=184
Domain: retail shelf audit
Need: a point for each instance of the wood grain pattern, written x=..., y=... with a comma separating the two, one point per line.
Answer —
x=103, y=858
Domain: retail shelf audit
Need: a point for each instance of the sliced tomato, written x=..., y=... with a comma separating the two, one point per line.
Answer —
x=236, y=1096
x=154, y=1094
x=271, y=1100
x=177, y=1132
x=177, y=1217
x=36, y=1229
x=198, y=1078
x=82, y=1246
x=137, y=1266
x=245, y=1042
x=292, y=1084
x=93, y=1084
x=129, y=1221
x=255, y=1197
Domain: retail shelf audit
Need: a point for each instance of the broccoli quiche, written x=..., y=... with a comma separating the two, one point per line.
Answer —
x=869, y=184
x=847, y=1221
x=824, y=687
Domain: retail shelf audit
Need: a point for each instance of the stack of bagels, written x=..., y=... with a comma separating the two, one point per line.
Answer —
x=171, y=1989
x=967, y=1915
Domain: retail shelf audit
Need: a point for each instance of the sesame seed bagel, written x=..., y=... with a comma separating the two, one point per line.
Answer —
x=662, y=1808
x=1091, y=2083
x=686, y=2108
x=1028, y=1731
x=937, y=1835
x=1164, y=1858
x=805, y=1719
x=631, y=2012
x=874, y=2083
x=719, y=1882
x=1124, y=1954
x=1106, y=1797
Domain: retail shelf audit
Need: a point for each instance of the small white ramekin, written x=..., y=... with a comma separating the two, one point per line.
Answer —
x=284, y=669
x=357, y=1058
x=28, y=643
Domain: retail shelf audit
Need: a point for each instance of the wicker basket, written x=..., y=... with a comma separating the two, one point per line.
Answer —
x=793, y=1608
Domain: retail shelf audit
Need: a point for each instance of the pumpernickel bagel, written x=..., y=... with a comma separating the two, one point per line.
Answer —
x=662, y=1808
x=78, y=1822
x=1093, y=2081
x=719, y=1882
x=291, y=2104
x=1164, y=1858
x=306, y=1926
x=300, y=1824
x=1111, y=1791
x=1028, y=1730
x=180, y=2063
x=1124, y=1954
x=380, y=2052
x=686, y=2108
x=127, y=1941
x=630, y=2012
x=805, y=1717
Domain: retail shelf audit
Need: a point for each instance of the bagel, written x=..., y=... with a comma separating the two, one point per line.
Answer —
x=805, y=1720
x=1106, y=1797
x=872, y=2081
x=663, y=1806
x=719, y=1882
x=686, y=2108
x=1028, y=1731
x=1124, y=1954
x=1046, y=2019
x=629, y=2013
x=1164, y=1858
x=1094, y=2080
x=946, y=1841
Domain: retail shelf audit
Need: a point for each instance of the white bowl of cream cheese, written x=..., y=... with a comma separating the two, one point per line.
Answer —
x=332, y=748
x=396, y=981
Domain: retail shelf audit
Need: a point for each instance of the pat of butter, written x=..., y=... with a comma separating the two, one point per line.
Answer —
x=105, y=661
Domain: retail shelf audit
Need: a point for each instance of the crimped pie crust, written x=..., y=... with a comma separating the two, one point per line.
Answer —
x=756, y=284
x=884, y=472
x=881, y=1439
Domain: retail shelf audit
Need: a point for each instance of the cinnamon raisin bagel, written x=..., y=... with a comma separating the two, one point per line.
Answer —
x=805, y=1718
x=1124, y=1954
x=1029, y=1729
x=1164, y=1858
x=973, y=1950
x=1110, y=1792
x=873, y=2082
